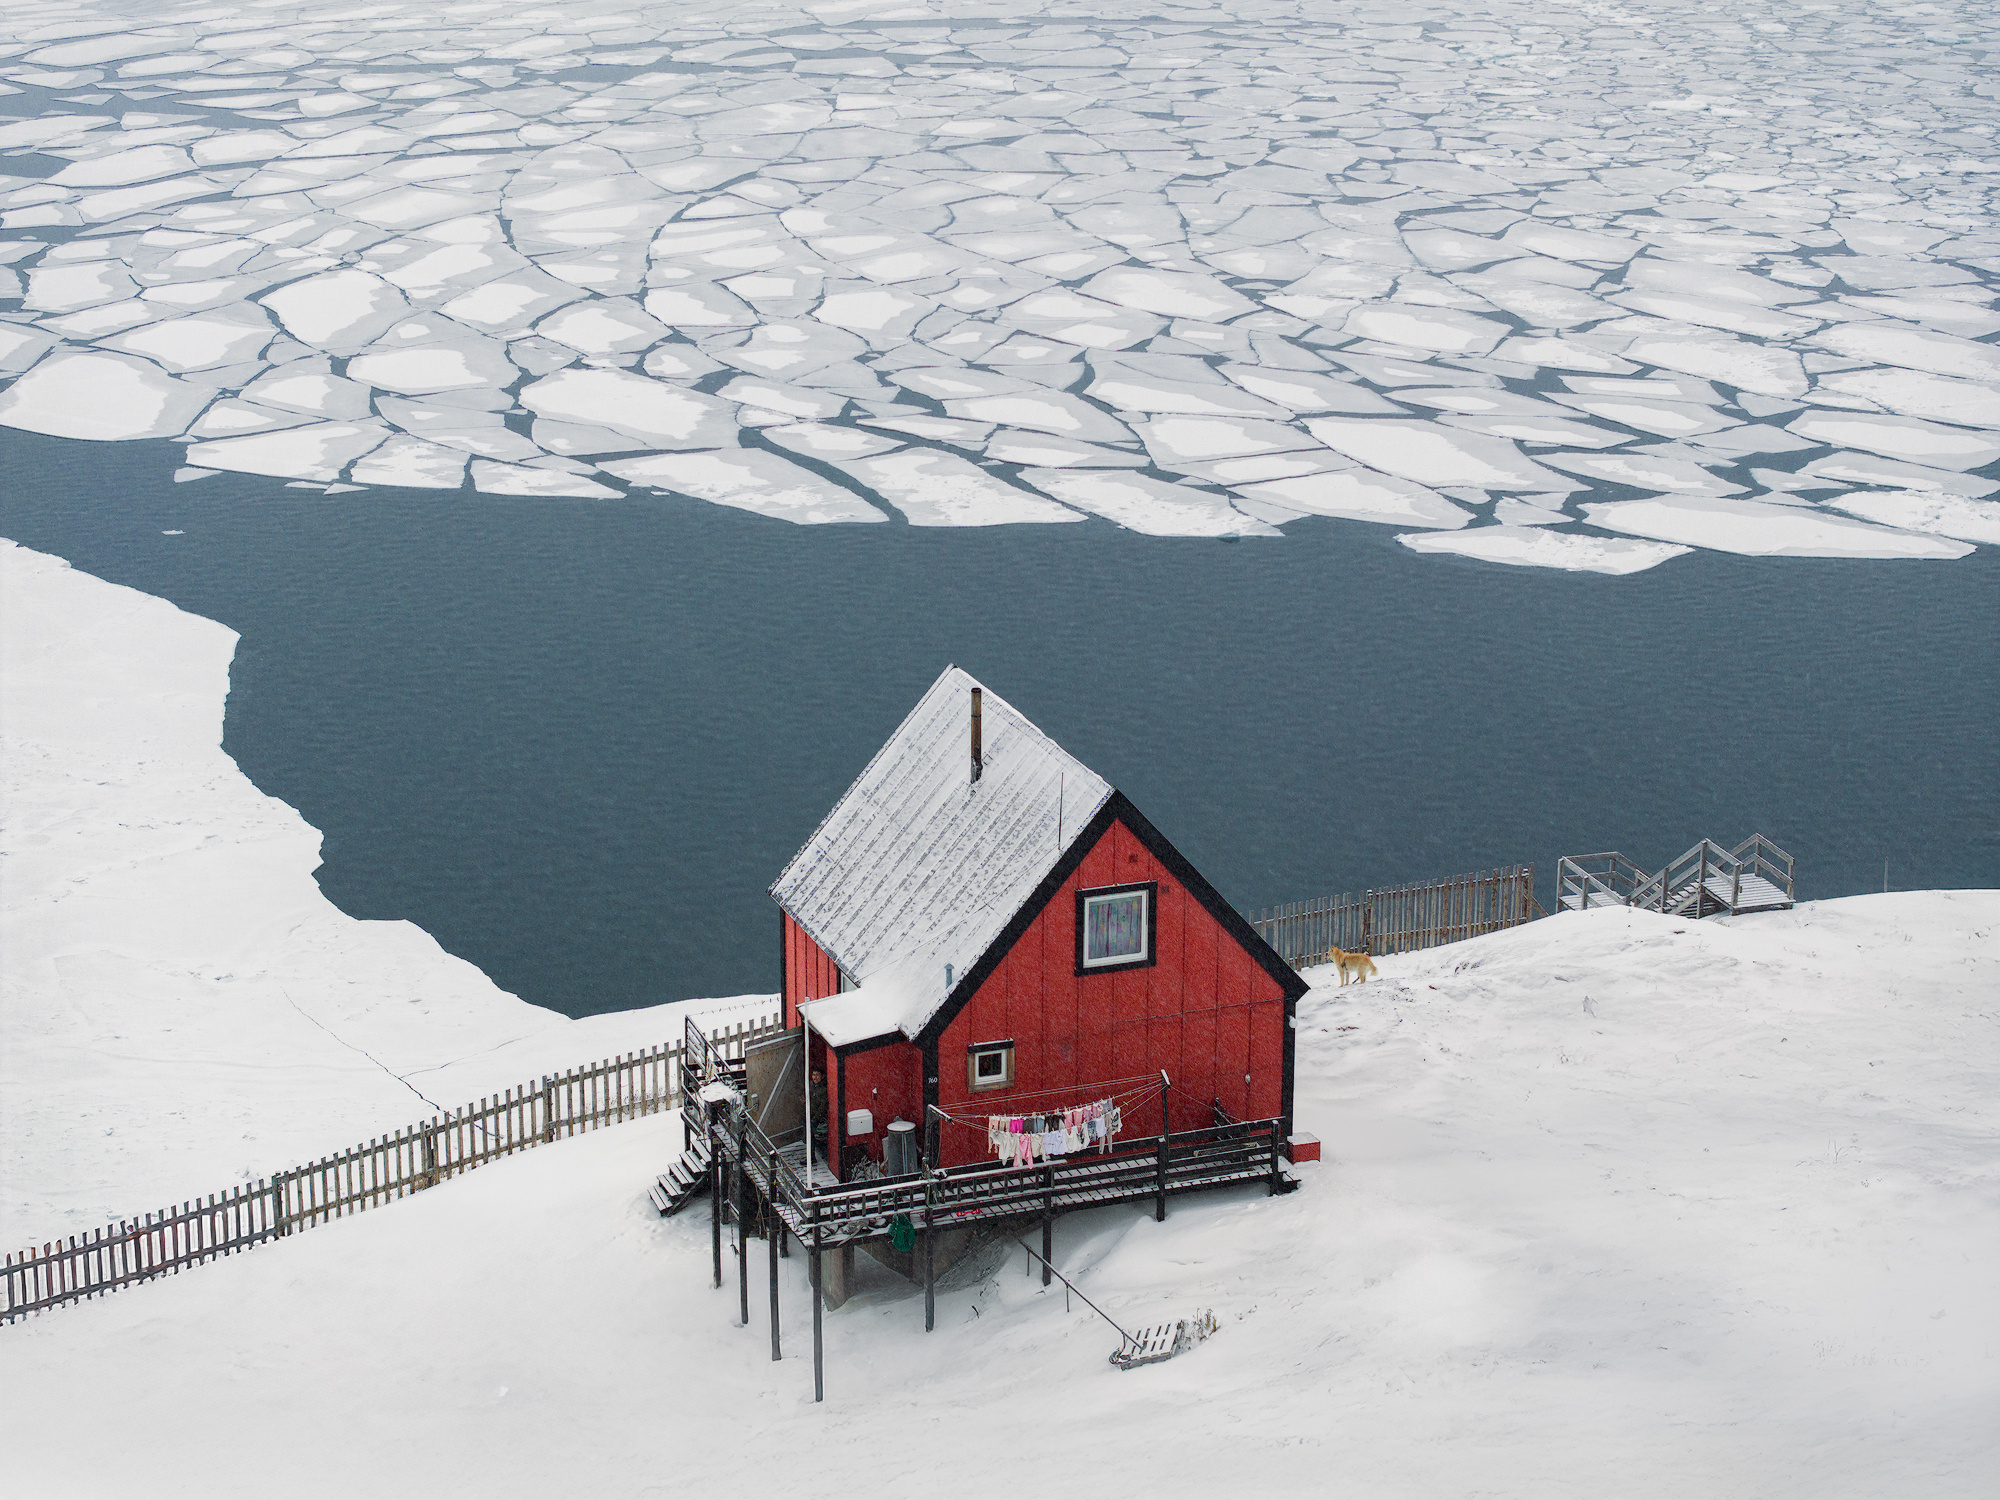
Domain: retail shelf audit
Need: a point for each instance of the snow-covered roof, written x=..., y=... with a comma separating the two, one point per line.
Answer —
x=918, y=868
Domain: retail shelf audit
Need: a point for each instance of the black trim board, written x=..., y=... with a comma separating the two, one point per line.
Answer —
x=1118, y=808
x=869, y=1044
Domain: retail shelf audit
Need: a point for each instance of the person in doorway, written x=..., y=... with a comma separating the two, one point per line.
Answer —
x=816, y=1109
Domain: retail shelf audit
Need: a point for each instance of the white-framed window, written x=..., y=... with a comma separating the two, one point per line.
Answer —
x=989, y=1065
x=1114, y=927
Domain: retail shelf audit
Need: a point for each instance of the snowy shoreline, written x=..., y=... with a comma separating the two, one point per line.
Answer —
x=182, y=1007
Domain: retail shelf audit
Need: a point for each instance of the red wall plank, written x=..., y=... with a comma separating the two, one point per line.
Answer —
x=809, y=973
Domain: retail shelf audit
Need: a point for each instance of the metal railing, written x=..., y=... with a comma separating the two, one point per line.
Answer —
x=1705, y=880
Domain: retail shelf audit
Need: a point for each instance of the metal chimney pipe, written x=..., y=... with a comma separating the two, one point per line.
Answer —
x=978, y=749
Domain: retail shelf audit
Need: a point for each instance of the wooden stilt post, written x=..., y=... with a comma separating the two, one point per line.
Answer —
x=930, y=1260
x=775, y=1229
x=1166, y=1129
x=819, y=1347
x=1048, y=1219
x=743, y=1218
x=716, y=1196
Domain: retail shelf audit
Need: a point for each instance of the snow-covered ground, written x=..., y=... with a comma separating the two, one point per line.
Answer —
x=1612, y=1205
x=974, y=263
x=180, y=1007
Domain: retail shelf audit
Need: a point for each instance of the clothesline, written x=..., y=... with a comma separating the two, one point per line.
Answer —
x=1127, y=1099
x=1021, y=1140
x=1089, y=1090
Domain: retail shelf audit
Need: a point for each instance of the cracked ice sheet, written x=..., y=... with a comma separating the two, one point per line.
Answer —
x=1674, y=227
x=1530, y=547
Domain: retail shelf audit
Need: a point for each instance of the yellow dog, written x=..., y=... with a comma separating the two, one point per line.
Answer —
x=1359, y=965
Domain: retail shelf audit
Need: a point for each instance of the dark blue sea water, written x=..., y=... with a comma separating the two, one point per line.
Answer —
x=575, y=740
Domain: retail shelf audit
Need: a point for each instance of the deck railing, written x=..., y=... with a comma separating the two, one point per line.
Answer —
x=1401, y=918
x=366, y=1176
x=1139, y=1167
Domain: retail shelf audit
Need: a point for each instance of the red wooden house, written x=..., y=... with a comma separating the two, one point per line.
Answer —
x=985, y=925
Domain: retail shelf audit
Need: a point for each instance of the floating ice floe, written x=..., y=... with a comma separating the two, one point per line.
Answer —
x=1055, y=412
x=1308, y=393
x=822, y=440
x=1172, y=440
x=1844, y=469
x=1916, y=394
x=201, y=343
x=1644, y=470
x=1529, y=547
x=749, y=479
x=494, y=478
x=1941, y=515
x=337, y=309
x=101, y=397
x=1362, y=495
x=1434, y=455
x=311, y=450
x=1435, y=328
x=1914, y=349
x=941, y=489
x=411, y=463
x=1759, y=529
x=1901, y=437
x=1139, y=502
x=651, y=413
x=1750, y=367
x=1511, y=510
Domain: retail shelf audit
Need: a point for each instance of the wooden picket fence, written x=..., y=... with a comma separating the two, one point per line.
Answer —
x=1401, y=918
x=361, y=1177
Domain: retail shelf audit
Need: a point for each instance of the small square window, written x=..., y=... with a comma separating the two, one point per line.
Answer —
x=989, y=1065
x=1114, y=928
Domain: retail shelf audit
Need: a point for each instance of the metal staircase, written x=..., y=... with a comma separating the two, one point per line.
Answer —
x=685, y=1181
x=1707, y=881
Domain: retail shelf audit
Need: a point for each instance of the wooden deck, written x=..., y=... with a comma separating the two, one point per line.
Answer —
x=836, y=1214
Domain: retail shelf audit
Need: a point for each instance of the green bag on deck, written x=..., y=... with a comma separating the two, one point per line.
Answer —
x=902, y=1233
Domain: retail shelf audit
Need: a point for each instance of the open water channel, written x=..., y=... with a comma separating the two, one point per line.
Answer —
x=575, y=740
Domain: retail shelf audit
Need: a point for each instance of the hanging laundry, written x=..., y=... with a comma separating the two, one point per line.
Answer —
x=1023, y=1140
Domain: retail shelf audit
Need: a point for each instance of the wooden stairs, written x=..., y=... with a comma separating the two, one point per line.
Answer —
x=1707, y=881
x=685, y=1181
